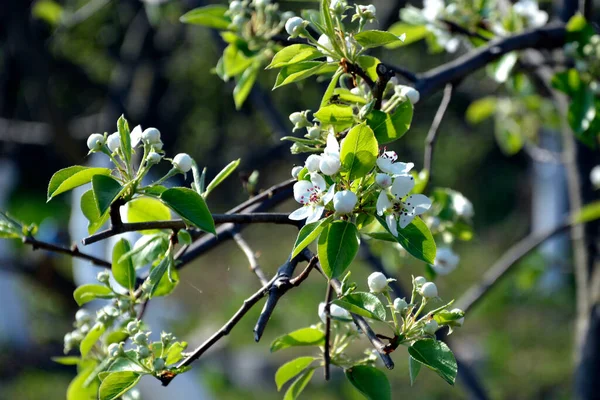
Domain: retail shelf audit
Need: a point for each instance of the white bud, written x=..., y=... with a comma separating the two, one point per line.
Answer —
x=336, y=312
x=235, y=7
x=356, y=91
x=377, y=282
x=344, y=201
x=412, y=95
x=383, y=180
x=182, y=162
x=445, y=261
x=293, y=26
x=368, y=11
x=296, y=171
x=113, y=350
x=595, y=176
x=460, y=321
x=153, y=158
x=312, y=163
x=133, y=327
x=103, y=276
x=151, y=136
x=325, y=42
x=431, y=326
x=314, y=132
x=136, y=136
x=239, y=21
x=400, y=305
x=462, y=206
x=297, y=118
x=429, y=290
x=159, y=364
x=143, y=352
x=113, y=141
x=330, y=165
x=82, y=316
x=419, y=280
x=95, y=141
x=140, y=338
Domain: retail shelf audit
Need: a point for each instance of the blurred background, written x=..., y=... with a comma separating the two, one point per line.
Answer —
x=69, y=68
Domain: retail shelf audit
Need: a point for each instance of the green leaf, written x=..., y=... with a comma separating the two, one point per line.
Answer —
x=508, y=135
x=117, y=384
x=297, y=72
x=123, y=271
x=331, y=87
x=88, y=292
x=69, y=178
x=174, y=352
x=444, y=317
x=359, y=151
x=157, y=273
x=327, y=22
x=105, y=190
x=235, y=62
x=299, y=384
x=364, y=304
x=125, y=363
x=147, y=209
x=589, y=212
x=47, y=10
x=294, y=54
x=346, y=96
x=212, y=16
x=291, y=369
x=416, y=239
x=437, y=356
x=308, y=234
x=371, y=39
x=370, y=381
x=389, y=128
x=91, y=338
x=335, y=114
x=77, y=389
x=414, y=33
x=221, y=176
x=338, y=245
x=67, y=360
x=244, y=85
x=413, y=369
x=190, y=206
x=301, y=337
x=125, y=136
x=369, y=64
x=481, y=109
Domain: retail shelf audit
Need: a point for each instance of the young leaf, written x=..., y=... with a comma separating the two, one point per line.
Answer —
x=174, y=352
x=369, y=64
x=123, y=271
x=413, y=33
x=371, y=39
x=117, y=384
x=69, y=178
x=190, y=206
x=331, y=88
x=335, y=114
x=364, y=304
x=301, y=337
x=359, y=151
x=299, y=384
x=125, y=363
x=437, y=356
x=235, y=61
x=481, y=109
x=90, y=211
x=297, y=72
x=244, y=85
x=91, y=338
x=416, y=239
x=146, y=209
x=125, y=136
x=88, y=292
x=391, y=127
x=157, y=273
x=413, y=369
x=212, y=16
x=105, y=190
x=294, y=54
x=221, y=176
x=338, y=245
x=66, y=360
x=587, y=213
x=370, y=381
x=77, y=389
x=308, y=234
x=291, y=369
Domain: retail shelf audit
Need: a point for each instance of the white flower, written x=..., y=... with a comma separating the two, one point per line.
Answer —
x=383, y=180
x=294, y=26
x=387, y=163
x=151, y=136
x=420, y=280
x=82, y=316
x=296, y=171
x=235, y=7
x=344, y=201
x=368, y=11
x=335, y=311
x=462, y=206
x=153, y=158
x=432, y=8
x=338, y=5
x=460, y=321
x=595, y=176
x=530, y=10
x=313, y=197
x=300, y=120
x=182, y=162
x=431, y=326
x=397, y=210
x=95, y=141
x=314, y=132
x=113, y=141
x=429, y=290
x=408, y=92
x=312, y=163
x=136, y=136
x=377, y=282
x=400, y=305
x=330, y=163
x=445, y=261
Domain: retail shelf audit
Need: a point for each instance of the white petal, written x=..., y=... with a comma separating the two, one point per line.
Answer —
x=333, y=146
x=329, y=195
x=315, y=213
x=401, y=168
x=384, y=164
x=300, y=214
x=319, y=182
x=392, y=224
x=383, y=203
x=302, y=191
x=312, y=163
x=419, y=203
x=402, y=185
x=405, y=219
x=136, y=136
x=330, y=164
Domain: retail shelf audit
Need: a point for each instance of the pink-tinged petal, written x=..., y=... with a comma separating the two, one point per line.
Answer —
x=302, y=191
x=136, y=136
x=315, y=213
x=318, y=182
x=383, y=203
x=402, y=185
x=329, y=195
x=392, y=224
x=405, y=219
x=300, y=214
x=333, y=146
x=390, y=155
x=419, y=203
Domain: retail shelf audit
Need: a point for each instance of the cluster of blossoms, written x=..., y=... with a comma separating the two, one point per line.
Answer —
x=257, y=21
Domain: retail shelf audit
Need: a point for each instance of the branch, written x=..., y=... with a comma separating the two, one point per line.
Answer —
x=73, y=251
x=251, y=256
x=327, y=350
x=384, y=75
x=433, y=130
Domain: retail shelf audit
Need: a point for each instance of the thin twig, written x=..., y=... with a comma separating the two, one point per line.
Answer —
x=73, y=251
x=327, y=349
x=251, y=256
x=384, y=75
x=433, y=130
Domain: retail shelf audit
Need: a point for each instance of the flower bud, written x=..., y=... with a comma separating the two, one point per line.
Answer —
x=113, y=141
x=461, y=320
x=124, y=304
x=151, y=136
x=82, y=316
x=384, y=181
x=261, y=3
x=294, y=26
x=377, y=282
x=113, y=350
x=412, y=95
x=143, y=352
x=431, y=327
x=239, y=21
x=159, y=364
x=312, y=163
x=325, y=42
x=140, y=338
x=344, y=201
x=133, y=327
x=110, y=311
x=300, y=119
x=103, y=276
x=335, y=311
x=368, y=11
x=330, y=165
x=235, y=7
x=95, y=141
x=296, y=171
x=166, y=338
x=182, y=162
x=400, y=305
x=595, y=176
x=153, y=158
x=314, y=132
x=462, y=206
x=429, y=290
x=419, y=280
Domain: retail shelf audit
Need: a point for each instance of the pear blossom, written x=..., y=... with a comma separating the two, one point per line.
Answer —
x=445, y=261
x=312, y=163
x=338, y=6
x=409, y=93
x=595, y=176
x=153, y=158
x=330, y=163
x=296, y=171
x=368, y=12
x=383, y=180
x=344, y=201
x=335, y=311
x=431, y=326
x=182, y=162
x=462, y=206
x=397, y=210
x=530, y=10
x=113, y=141
x=151, y=136
x=294, y=26
x=420, y=280
x=95, y=141
x=432, y=10
x=377, y=282
x=314, y=132
x=400, y=305
x=313, y=196
x=429, y=290
x=300, y=120
x=387, y=163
